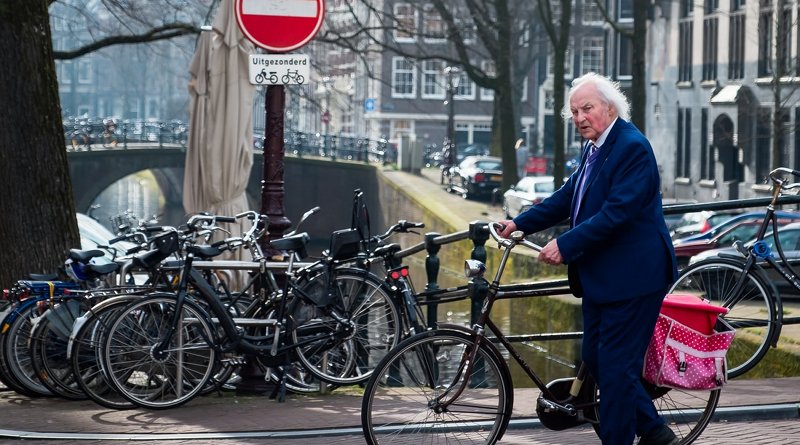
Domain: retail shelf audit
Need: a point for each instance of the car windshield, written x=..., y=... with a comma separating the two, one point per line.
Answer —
x=489, y=165
x=789, y=239
x=543, y=187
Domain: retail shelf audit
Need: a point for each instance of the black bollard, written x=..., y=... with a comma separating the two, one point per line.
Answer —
x=432, y=272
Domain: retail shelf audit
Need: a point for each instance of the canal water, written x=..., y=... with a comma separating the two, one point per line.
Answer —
x=139, y=194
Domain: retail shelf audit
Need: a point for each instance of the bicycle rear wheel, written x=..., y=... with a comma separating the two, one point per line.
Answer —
x=402, y=400
x=686, y=412
x=752, y=311
x=16, y=352
x=154, y=377
x=84, y=352
x=372, y=320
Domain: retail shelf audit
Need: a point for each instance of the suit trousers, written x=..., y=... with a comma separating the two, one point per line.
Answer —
x=615, y=338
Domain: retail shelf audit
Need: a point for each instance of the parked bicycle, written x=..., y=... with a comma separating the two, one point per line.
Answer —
x=739, y=283
x=160, y=351
x=452, y=384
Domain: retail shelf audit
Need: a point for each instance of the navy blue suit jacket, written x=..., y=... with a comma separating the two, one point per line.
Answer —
x=618, y=246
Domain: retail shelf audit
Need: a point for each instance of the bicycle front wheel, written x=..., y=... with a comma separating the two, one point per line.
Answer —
x=372, y=327
x=149, y=373
x=420, y=393
x=751, y=311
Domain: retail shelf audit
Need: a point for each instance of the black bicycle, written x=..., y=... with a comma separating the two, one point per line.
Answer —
x=452, y=384
x=739, y=282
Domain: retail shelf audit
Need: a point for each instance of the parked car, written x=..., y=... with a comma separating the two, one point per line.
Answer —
x=743, y=228
x=476, y=176
x=723, y=226
x=699, y=222
x=529, y=191
x=789, y=236
x=471, y=150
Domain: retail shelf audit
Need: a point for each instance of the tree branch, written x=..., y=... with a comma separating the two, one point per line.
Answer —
x=164, y=32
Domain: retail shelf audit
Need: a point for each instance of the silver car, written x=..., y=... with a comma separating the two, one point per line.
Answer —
x=529, y=191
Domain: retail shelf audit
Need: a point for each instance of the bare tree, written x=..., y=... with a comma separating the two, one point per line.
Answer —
x=557, y=26
x=497, y=31
x=130, y=22
x=38, y=218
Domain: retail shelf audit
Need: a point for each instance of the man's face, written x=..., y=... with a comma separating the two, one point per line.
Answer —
x=590, y=113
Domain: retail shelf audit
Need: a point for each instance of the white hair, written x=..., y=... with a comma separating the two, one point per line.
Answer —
x=608, y=90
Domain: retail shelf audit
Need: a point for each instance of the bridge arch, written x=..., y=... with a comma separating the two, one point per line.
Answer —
x=307, y=182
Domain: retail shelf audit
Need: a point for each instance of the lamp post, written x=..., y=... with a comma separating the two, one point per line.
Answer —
x=453, y=76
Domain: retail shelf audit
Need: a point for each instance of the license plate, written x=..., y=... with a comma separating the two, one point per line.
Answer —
x=497, y=178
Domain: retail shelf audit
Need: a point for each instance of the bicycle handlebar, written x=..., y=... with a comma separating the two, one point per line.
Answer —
x=517, y=237
x=774, y=176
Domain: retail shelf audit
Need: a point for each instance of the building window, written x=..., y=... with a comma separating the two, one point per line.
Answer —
x=706, y=149
x=765, y=43
x=432, y=79
x=710, y=6
x=736, y=45
x=488, y=67
x=592, y=55
x=683, y=154
x=85, y=72
x=591, y=13
x=466, y=87
x=624, y=57
x=64, y=70
x=405, y=21
x=784, y=46
x=404, y=75
x=763, y=143
x=624, y=10
x=685, y=50
x=710, y=27
x=466, y=27
x=432, y=24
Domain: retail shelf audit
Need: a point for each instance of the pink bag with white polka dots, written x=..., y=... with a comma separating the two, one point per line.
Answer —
x=680, y=357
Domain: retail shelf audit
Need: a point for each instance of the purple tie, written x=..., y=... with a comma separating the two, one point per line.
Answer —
x=587, y=171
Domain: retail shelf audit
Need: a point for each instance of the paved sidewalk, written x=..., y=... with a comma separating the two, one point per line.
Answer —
x=332, y=418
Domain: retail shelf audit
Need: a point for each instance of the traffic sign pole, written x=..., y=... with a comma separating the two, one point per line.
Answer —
x=278, y=26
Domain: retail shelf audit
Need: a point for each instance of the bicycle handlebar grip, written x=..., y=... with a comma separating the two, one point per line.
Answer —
x=153, y=228
x=117, y=239
x=225, y=219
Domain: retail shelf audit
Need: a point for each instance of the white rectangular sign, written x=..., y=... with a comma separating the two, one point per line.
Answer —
x=279, y=69
x=282, y=8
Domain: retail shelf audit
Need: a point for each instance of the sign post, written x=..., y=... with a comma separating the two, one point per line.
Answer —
x=278, y=26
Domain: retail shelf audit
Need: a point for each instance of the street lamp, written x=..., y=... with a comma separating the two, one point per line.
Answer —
x=453, y=76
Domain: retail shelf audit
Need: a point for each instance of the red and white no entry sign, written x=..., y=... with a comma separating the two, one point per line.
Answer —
x=280, y=25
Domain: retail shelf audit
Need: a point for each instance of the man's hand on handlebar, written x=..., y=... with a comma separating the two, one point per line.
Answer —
x=508, y=228
x=550, y=254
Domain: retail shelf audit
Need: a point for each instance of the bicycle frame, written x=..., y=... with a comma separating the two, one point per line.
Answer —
x=479, y=331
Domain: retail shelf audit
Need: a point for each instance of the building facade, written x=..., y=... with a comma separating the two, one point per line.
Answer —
x=722, y=73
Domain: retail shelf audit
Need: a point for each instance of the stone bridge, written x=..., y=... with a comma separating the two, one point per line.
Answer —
x=307, y=181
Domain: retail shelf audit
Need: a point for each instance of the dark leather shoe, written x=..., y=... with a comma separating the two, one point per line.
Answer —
x=662, y=435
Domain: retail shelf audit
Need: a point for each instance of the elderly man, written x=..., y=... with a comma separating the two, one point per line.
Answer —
x=618, y=252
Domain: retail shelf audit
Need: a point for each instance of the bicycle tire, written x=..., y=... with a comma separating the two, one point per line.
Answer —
x=159, y=380
x=686, y=412
x=753, y=313
x=297, y=378
x=16, y=352
x=6, y=377
x=399, y=403
x=84, y=353
x=48, y=350
x=364, y=300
